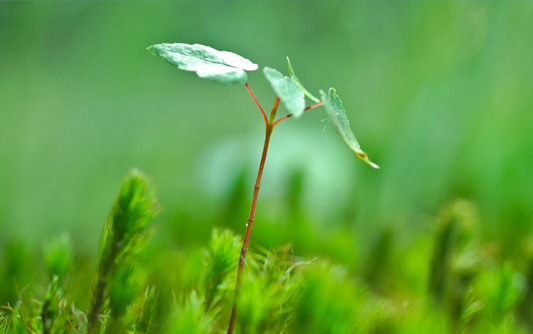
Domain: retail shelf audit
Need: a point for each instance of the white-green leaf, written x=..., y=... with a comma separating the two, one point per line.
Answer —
x=288, y=92
x=221, y=66
x=297, y=82
x=333, y=105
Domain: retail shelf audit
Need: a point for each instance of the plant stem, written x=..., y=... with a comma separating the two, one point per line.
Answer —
x=314, y=105
x=101, y=286
x=290, y=115
x=258, y=104
x=249, y=225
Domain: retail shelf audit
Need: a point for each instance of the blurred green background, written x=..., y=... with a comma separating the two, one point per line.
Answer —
x=438, y=93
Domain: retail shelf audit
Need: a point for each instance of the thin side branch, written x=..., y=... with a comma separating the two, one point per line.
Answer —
x=290, y=115
x=281, y=119
x=314, y=105
x=258, y=104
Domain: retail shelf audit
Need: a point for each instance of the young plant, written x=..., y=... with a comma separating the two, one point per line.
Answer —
x=229, y=68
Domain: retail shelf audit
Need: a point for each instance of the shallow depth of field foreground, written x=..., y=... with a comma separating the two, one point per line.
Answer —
x=126, y=183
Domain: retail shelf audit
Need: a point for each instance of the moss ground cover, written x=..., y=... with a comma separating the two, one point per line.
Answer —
x=462, y=285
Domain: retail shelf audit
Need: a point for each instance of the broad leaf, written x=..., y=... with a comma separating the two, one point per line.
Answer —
x=333, y=105
x=288, y=92
x=221, y=66
x=297, y=82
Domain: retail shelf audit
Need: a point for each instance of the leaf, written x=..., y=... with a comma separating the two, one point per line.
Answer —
x=297, y=82
x=288, y=92
x=333, y=105
x=221, y=66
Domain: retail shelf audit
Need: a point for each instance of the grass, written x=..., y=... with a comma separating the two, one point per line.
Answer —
x=467, y=288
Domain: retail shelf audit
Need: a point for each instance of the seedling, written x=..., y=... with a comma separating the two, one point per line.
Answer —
x=229, y=68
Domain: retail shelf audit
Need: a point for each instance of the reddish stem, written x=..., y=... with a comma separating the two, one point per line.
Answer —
x=290, y=115
x=268, y=133
x=314, y=105
x=258, y=104
x=281, y=119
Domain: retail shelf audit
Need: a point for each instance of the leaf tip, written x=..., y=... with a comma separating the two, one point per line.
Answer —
x=374, y=165
x=290, y=67
x=363, y=156
x=153, y=50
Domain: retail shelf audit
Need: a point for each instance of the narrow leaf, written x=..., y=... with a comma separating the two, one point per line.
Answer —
x=336, y=113
x=297, y=82
x=288, y=92
x=221, y=66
